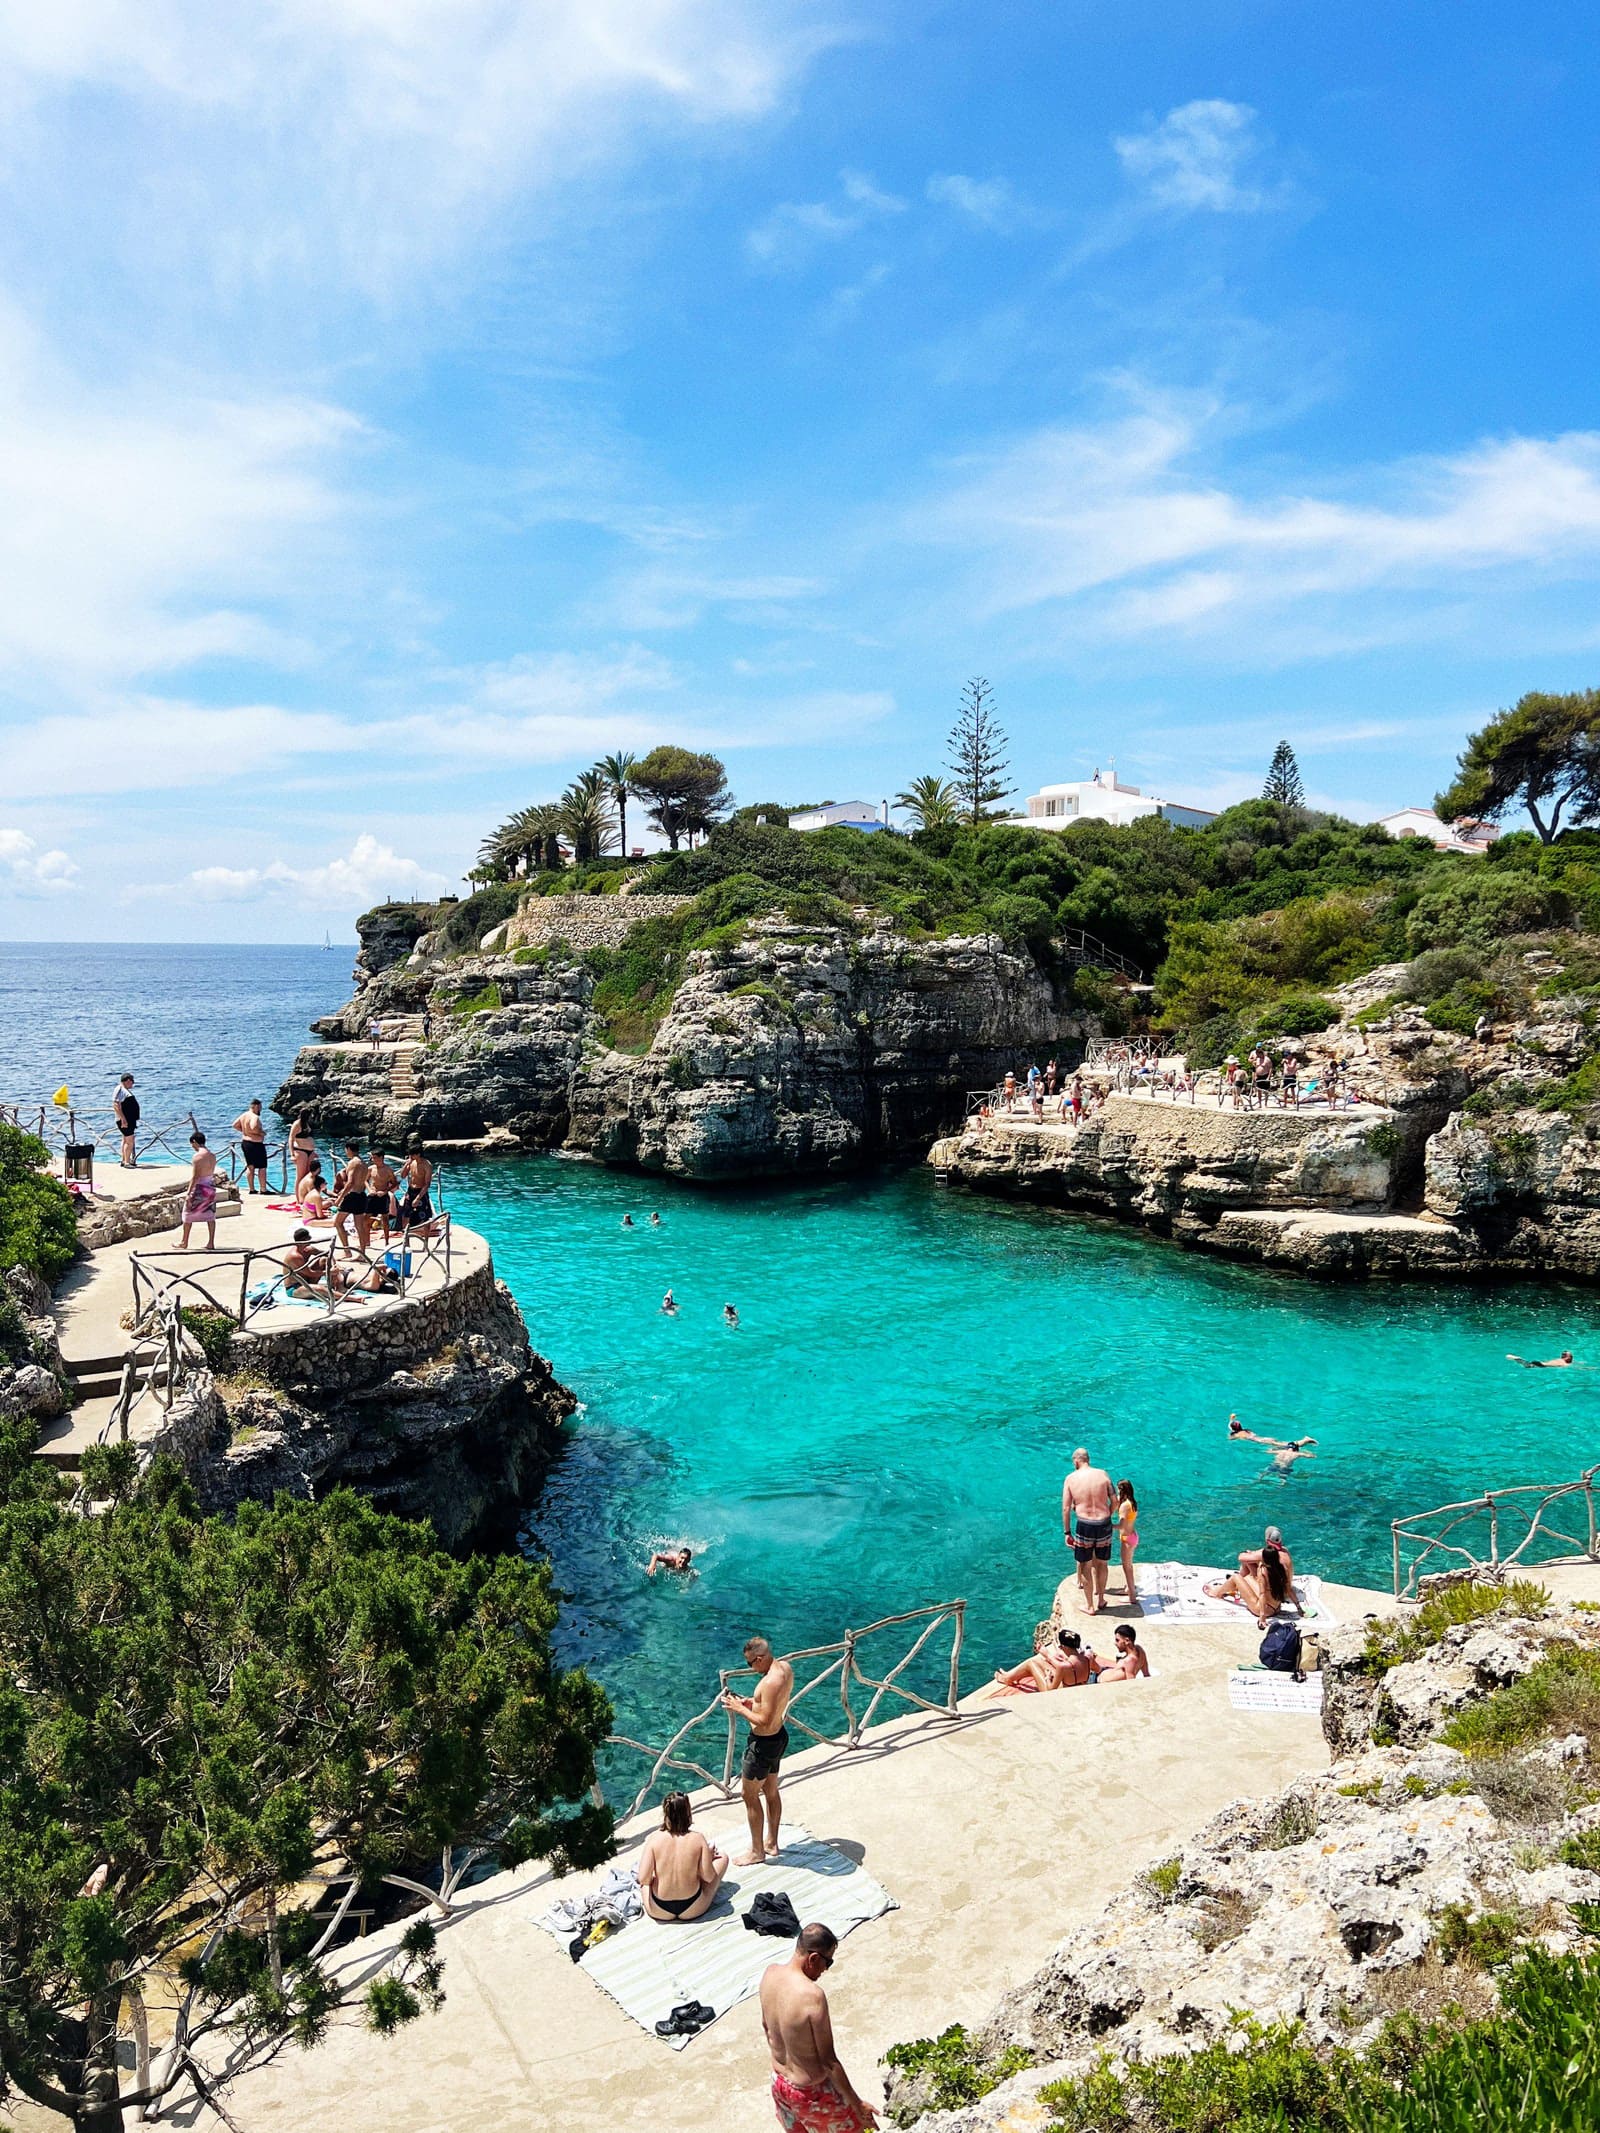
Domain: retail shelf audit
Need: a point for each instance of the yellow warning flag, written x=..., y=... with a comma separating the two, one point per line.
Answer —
x=63, y=1096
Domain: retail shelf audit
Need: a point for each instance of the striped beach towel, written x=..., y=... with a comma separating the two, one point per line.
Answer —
x=649, y=1969
x=1255, y=1689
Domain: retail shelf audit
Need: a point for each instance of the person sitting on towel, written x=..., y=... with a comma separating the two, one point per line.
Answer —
x=1130, y=1661
x=1062, y=1665
x=679, y=1872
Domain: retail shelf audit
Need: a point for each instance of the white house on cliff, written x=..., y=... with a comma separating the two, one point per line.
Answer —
x=1104, y=798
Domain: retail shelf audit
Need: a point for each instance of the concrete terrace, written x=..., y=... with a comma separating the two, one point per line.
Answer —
x=996, y=1832
x=95, y=1295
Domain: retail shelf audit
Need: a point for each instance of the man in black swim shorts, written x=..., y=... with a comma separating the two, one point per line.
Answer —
x=769, y=1739
x=1086, y=1520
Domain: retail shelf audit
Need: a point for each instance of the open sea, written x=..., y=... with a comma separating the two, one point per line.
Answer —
x=889, y=1423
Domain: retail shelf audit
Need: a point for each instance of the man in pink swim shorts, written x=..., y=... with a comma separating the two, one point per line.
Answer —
x=811, y=2091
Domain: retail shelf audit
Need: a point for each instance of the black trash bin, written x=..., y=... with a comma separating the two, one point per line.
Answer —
x=80, y=1162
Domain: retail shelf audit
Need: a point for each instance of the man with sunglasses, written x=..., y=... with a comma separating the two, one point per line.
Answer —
x=811, y=2091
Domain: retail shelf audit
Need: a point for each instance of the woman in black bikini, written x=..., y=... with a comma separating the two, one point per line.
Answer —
x=679, y=1873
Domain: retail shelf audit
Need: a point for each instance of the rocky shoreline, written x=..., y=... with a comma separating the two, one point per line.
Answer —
x=1481, y=1162
x=795, y=1049
x=442, y=1410
x=1388, y=1887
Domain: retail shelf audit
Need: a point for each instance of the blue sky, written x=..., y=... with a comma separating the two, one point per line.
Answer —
x=403, y=402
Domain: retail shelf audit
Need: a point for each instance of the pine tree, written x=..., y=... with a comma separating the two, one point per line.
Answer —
x=978, y=754
x=1283, y=779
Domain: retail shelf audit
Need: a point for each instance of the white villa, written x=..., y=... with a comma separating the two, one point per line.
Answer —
x=1463, y=836
x=1104, y=798
x=842, y=814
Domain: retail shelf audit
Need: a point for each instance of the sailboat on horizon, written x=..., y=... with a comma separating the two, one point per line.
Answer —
x=327, y=942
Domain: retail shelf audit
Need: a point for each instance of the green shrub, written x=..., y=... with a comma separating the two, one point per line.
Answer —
x=1561, y=1694
x=1263, y=2079
x=1162, y=1879
x=214, y=1331
x=1431, y=975
x=1296, y=1014
x=38, y=1223
x=1395, y=1638
x=479, y=1002
x=1582, y=1851
x=954, y=2072
x=1480, y=907
x=467, y=922
x=1458, y=1009
x=1483, y=1941
x=1577, y=1093
x=1385, y=1140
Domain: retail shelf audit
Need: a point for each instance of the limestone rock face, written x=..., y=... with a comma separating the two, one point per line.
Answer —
x=794, y=1050
x=1326, y=1903
x=33, y=1381
x=1180, y=1168
x=461, y=1435
x=806, y=1051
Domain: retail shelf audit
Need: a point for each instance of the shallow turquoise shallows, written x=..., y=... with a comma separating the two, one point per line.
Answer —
x=889, y=1423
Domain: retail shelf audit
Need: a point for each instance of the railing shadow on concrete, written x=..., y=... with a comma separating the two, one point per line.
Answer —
x=1524, y=1509
x=240, y=1285
x=843, y=1667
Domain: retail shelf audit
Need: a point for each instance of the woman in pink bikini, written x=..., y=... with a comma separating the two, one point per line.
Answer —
x=1127, y=1534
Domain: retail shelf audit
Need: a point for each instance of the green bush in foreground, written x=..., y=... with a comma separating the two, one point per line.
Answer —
x=38, y=1227
x=955, y=2074
x=1534, y=2065
x=1559, y=1695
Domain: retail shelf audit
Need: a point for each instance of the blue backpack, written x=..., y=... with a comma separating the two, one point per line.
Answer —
x=1280, y=1649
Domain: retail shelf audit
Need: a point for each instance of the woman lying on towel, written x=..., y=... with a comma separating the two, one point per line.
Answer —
x=679, y=1872
x=1061, y=1665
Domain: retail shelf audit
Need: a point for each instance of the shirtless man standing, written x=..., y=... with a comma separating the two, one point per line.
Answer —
x=352, y=1204
x=252, y=1131
x=811, y=2091
x=1086, y=1500
x=766, y=1748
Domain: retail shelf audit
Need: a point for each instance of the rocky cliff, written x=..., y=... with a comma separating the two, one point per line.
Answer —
x=792, y=1048
x=1479, y=1157
x=441, y=1410
x=1390, y=1887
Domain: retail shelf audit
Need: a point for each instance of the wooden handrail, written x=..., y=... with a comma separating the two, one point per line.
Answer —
x=1493, y=1503
x=843, y=1664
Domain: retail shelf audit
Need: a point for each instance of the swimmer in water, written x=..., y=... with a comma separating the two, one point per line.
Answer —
x=1285, y=1450
x=669, y=1559
x=1563, y=1361
x=627, y=1221
x=730, y=1316
x=669, y=1304
x=655, y=1219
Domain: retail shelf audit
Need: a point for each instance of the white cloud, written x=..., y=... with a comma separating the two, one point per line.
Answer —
x=367, y=133
x=138, y=535
x=1195, y=158
x=990, y=202
x=1116, y=524
x=787, y=237
x=156, y=744
x=354, y=882
x=26, y=871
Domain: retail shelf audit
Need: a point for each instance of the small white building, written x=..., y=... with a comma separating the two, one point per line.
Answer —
x=1104, y=798
x=842, y=814
x=1463, y=836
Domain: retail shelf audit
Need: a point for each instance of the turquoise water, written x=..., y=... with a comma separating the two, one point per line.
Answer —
x=890, y=1422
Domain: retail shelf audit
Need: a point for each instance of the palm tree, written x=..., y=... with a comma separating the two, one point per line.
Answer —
x=585, y=821
x=617, y=770
x=932, y=800
x=545, y=823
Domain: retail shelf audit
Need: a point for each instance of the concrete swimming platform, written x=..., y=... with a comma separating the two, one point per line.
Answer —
x=995, y=1831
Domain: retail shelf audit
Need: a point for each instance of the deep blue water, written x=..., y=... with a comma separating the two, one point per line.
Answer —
x=199, y=1028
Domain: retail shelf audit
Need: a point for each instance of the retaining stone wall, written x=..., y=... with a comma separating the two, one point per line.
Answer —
x=586, y=921
x=341, y=1353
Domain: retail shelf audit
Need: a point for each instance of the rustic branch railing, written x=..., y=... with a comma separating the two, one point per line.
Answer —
x=843, y=1667
x=57, y=1125
x=231, y=1152
x=159, y=1355
x=239, y=1285
x=1527, y=1505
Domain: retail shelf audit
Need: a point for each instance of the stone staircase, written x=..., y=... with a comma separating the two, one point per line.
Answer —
x=96, y=1383
x=403, y=1078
